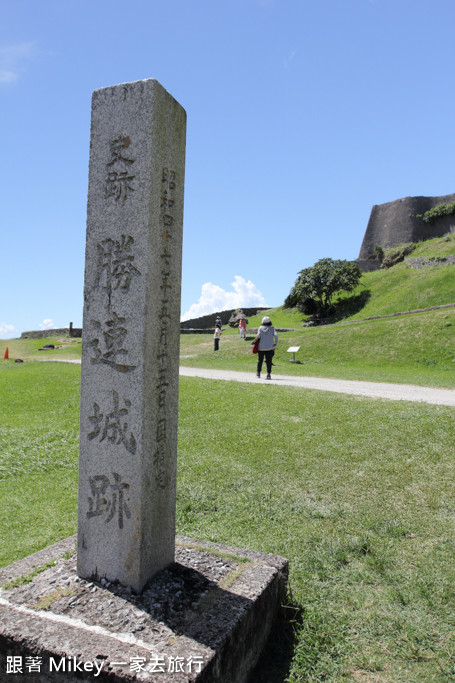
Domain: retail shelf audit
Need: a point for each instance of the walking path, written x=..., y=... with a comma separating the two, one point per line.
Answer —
x=394, y=392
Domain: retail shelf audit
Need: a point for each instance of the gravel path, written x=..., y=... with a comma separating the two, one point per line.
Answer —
x=394, y=392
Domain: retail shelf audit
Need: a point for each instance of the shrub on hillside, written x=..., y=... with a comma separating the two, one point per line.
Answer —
x=315, y=287
x=397, y=254
x=436, y=212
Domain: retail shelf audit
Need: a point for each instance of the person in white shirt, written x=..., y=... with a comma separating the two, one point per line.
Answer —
x=216, y=337
x=268, y=340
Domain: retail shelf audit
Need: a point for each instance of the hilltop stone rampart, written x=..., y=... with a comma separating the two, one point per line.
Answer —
x=396, y=223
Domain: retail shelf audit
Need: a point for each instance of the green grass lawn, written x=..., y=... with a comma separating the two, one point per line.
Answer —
x=357, y=493
x=29, y=349
x=39, y=435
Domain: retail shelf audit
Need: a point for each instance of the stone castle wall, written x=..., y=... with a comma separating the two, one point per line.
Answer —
x=396, y=223
x=208, y=321
x=197, y=324
x=56, y=332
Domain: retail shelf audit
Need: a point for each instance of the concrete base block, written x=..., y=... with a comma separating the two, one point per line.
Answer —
x=205, y=618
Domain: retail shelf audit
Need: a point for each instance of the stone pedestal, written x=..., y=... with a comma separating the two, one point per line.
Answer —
x=205, y=619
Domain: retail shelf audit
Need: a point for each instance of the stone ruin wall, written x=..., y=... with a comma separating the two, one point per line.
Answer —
x=208, y=321
x=55, y=332
x=396, y=223
x=203, y=324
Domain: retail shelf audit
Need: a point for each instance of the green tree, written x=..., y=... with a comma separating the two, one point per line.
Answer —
x=315, y=287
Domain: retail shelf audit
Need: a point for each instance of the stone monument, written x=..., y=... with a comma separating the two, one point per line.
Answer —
x=130, y=358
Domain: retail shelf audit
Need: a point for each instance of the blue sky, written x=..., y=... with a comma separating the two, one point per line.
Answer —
x=302, y=114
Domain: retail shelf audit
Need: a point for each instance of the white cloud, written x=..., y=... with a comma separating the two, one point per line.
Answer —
x=7, y=76
x=7, y=330
x=215, y=299
x=47, y=324
x=290, y=58
x=12, y=60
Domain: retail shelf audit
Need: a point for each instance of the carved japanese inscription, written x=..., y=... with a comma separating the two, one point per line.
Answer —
x=112, y=425
x=108, y=345
x=115, y=266
x=168, y=186
x=119, y=179
x=107, y=498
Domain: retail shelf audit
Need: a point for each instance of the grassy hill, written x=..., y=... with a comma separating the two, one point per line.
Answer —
x=400, y=288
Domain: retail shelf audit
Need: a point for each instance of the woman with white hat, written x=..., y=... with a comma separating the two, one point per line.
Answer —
x=268, y=339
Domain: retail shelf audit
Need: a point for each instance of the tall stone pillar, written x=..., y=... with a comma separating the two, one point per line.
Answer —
x=130, y=352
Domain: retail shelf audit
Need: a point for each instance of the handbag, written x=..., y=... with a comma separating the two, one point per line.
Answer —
x=256, y=346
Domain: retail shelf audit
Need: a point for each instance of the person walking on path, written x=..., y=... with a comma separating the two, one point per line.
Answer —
x=268, y=339
x=216, y=337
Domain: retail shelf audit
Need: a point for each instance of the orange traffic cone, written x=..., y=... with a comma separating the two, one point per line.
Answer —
x=6, y=356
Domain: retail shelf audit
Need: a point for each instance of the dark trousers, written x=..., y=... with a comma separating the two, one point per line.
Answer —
x=216, y=344
x=268, y=360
